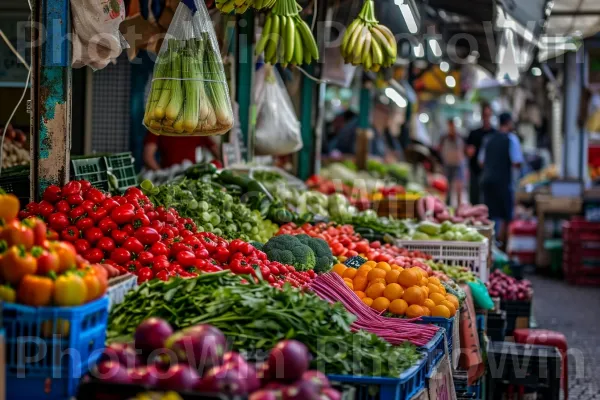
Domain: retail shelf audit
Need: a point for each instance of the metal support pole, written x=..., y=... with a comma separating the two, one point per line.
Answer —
x=51, y=95
x=364, y=113
x=307, y=153
x=573, y=133
x=244, y=45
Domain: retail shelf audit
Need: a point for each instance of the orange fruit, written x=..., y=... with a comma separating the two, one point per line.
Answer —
x=426, y=290
x=339, y=269
x=424, y=281
x=396, y=267
x=360, y=294
x=433, y=288
x=452, y=299
x=367, y=300
x=435, y=280
x=428, y=303
x=427, y=311
x=408, y=278
x=376, y=273
x=392, y=276
x=349, y=284
x=398, y=307
x=371, y=264
x=342, y=258
x=350, y=273
x=393, y=291
x=378, y=280
x=440, y=311
x=383, y=265
x=380, y=304
x=375, y=290
x=360, y=282
x=414, y=295
x=437, y=298
x=364, y=269
x=415, y=311
x=419, y=272
x=442, y=289
x=450, y=307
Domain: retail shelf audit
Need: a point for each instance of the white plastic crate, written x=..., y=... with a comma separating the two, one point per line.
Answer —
x=473, y=255
x=119, y=287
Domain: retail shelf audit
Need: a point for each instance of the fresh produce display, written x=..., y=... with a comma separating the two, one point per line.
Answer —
x=400, y=291
x=456, y=273
x=372, y=227
x=37, y=272
x=212, y=209
x=396, y=331
x=447, y=231
x=255, y=317
x=368, y=43
x=286, y=38
x=508, y=288
x=13, y=149
x=241, y=6
x=431, y=208
x=189, y=94
x=200, y=362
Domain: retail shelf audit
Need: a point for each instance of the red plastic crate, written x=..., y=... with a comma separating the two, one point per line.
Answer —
x=581, y=252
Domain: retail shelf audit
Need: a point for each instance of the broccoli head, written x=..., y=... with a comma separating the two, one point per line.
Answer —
x=323, y=255
x=257, y=245
x=287, y=249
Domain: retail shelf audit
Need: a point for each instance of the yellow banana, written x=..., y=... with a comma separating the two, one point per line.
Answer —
x=353, y=39
x=383, y=42
x=228, y=7
x=239, y=3
x=390, y=39
x=358, y=48
x=347, y=34
x=367, y=62
x=376, y=51
x=366, y=47
x=376, y=68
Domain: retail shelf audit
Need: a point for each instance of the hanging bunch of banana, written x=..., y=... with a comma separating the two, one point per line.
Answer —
x=286, y=38
x=368, y=43
x=240, y=6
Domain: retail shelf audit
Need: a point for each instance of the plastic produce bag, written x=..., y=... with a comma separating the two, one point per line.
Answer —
x=189, y=94
x=277, y=127
x=96, y=37
x=481, y=296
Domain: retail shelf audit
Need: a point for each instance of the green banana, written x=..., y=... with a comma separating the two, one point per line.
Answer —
x=257, y=4
x=273, y=40
x=390, y=39
x=383, y=42
x=348, y=34
x=290, y=30
x=366, y=48
x=376, y=50
x=353, y=40
x=307, y=38
x=280, y=53
x=260, y=46
x=358, y=47
x=367, y=62
x=239, y=3
x=228, y=7
x=298, y=49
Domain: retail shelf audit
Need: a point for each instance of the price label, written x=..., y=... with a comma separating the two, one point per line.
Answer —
x=355, y=262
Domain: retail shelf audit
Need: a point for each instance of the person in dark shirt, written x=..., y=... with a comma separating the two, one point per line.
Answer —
x=175, y=149
x=474, y=143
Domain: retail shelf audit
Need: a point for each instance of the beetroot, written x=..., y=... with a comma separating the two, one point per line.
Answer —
x=146, y=376
x=121, y=353
x=264, y=395
x=222, y=380
x=180, y=377
x=151, y=335
x=301, y=391
x=202, y=346
x=288, y=360
x=111, y=371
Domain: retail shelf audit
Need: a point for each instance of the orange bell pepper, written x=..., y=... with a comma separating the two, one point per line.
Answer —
x=93, y=286
x=70, y=290
x=16, y=264
x=35, y=291
x=9, y=207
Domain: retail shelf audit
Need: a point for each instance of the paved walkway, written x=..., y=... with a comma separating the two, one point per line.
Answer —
x=574, y=311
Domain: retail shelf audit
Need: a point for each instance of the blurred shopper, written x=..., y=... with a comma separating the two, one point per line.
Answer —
x=500, y=153
x=474, y=143
x=172, y=150
x=452, y=151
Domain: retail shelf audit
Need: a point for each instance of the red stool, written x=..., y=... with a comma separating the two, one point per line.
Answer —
x=547, y=338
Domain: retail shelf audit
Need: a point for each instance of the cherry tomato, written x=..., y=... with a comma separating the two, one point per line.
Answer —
x=82, y=245
x=85, y=185
x=63, y=206
x=185, y=258
x=120, y=256
x=70, y=234
x=128, y=229
x=58, y=221
x=147, y=235
x=159, y=249
x=72, y=187
x=106, y=225
x=133, y=245
x=123, y=214
x=94, y=256
x=144, y=275
x=92, y=235
x=159, y=264
x=75, y=199
x=201, y=253
x=145, y=258
x=106, y=244
x=52, y=194
x=45, y=209
x=140, y=219
x=134, y=191
x=163, y=275
x=95, y=196
x=109, y=204
x=156, y=224
x=84, y=224
x=98, y=214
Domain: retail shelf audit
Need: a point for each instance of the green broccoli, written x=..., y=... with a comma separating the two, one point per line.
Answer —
x=287, y=249
x=322, y=252
x=257, y=245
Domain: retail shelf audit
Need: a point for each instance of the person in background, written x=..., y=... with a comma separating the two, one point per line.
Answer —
x=474, y=142
x=452, y=151
x=499, y=155
x=174, y=150
x=345, y=141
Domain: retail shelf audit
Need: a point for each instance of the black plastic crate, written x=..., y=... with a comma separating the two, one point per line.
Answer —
x=17, y=183
x=92, y=169
x=532, y=367
x=514, y=310
x=94, y=390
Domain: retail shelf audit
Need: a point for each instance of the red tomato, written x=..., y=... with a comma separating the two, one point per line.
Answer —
x=70, y=234
x=45, y=209
x=94, y=256
x=145, y=274
x=145, y=258
x=133, y=245
x=123, y=214
x=147, y=235
x=106, y=244
x=159, y=249
x=63, y=206
x=71, y=188
x=119, y=236
x=85, y=185
x=383, y=258
x=82, y=246
x=58, y=221
x=84, y=224
x=95, y=196
x=98, y=214
x=92, y=235
x=185, y=258
x=109, y=204
x=75, y=199
x=52, y=194
x=163, y=275
x=107, y=225
x=120, y=256
x=76, y=212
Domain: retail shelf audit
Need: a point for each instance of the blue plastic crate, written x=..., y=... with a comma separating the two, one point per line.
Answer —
x=49, y=349
x=435, y=350
x=480, y=322
x=446, y=323
x=377, y=388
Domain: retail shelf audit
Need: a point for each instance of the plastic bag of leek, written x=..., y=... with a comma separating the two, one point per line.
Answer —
x=189, y=93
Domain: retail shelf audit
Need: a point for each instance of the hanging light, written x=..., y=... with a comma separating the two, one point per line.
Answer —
x=408, y=16
x=450, y=99
x=444, y=66
x=450, y=82
x=396, y=97
x=424, y=118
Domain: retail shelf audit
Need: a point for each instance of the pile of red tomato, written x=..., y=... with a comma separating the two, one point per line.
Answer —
x=39, y=272
x=345, y=243
x=132, y=235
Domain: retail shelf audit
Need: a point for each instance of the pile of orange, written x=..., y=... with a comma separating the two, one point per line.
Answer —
x=403, y=292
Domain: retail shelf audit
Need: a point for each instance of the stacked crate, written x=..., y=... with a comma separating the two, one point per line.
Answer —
x=581, y=252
